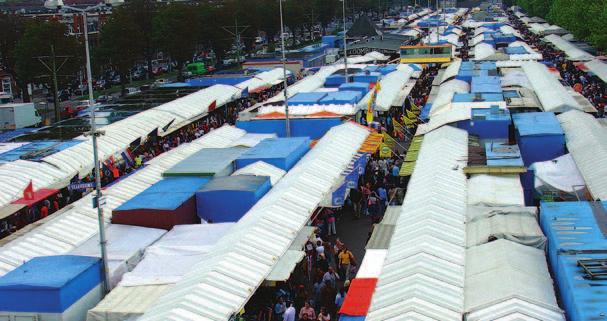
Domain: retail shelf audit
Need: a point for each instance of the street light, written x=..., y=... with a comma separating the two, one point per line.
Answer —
x=58, y=5
x=284, y=70
x=345, y=40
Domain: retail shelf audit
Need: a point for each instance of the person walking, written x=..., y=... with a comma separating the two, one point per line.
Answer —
x=346, y=260
x=289, y=314
x=279, y=309
x=307, y=313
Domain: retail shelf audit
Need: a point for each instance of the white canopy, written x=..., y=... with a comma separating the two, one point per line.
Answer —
x=506, y=280
x=483, y=51
x=244, y=258
x=445, y=95
x=572, y=52
x=517, y=224
x=125, y=246
x=597, y=67
x=391, y=87
x=78, y=222
x=558, y=175
x=494, y=190
x=587, y=142
x=422, y=277
x=551, y=93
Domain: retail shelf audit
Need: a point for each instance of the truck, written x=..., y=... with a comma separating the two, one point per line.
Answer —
x=196, y=69
x=13, y=116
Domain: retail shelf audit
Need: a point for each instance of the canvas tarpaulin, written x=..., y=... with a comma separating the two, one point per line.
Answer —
x=207, y=162
x=558, y=175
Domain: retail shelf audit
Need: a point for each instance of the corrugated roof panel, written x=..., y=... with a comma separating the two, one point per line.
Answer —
x=587, y=142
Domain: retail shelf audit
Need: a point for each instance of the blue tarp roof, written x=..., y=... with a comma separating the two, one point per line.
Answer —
x=493, y=113
x=537, y=124
x=572, y=227
x=361, y=87
x=283, y=153
x=486, y=84
x=42, y=148
x=335, y=80
x=466, y=65
x=519, y=50
x=244, y=183
x=49, y=283
x=207, y=162
x=166, y=194
x=467, y=97
x=6, y=136
x=367, y=77
x=487, y=65
x=344, y=317
x=307, y=98
x=341, y=98
x=502, y=154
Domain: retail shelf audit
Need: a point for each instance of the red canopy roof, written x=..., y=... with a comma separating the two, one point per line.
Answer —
x=39, y=195
x=359, y=296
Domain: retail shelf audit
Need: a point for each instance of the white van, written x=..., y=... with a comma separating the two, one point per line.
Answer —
x=13, y=116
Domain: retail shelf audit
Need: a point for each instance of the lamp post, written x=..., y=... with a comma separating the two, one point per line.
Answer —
x=345, y=41
x=284, y=70
x=58, y=5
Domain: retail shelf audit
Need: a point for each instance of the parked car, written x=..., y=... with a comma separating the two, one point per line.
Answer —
x=131, y=91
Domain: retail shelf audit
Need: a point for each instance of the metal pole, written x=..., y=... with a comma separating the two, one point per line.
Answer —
x=345, y=42
x=102, y=240
x=284, y=72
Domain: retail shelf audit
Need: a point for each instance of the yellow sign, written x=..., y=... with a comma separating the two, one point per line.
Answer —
x=398, y=127
x=385, y=151
x=389, y=141
x=371, y=144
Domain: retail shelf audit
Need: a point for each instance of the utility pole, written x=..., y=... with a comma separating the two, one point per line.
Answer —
x=50, y=63
x=236, y=31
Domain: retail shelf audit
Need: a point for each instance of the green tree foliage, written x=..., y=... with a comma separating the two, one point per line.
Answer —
x=142, y=13
x=121, y=45
x=37, y=41
x=12, y=28
x=176, y=32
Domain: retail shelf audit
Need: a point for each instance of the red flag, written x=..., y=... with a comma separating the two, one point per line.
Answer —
x=213, y=105
x=28, y=192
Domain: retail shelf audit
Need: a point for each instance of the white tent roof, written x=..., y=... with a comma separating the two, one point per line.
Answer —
x=445, y=95
x=423, y=274
x=126, y=303
x=244, y=258
x=252, y=139
x=451, y=70
x=559, y=174
x=261, y=168
x=587, y=142
x=125, y=246
x=78, y=222
x=515, y=78
x=483, y=51
x=449, y=116
x=304, y=110
x=597, y=67
x=59, y=168
x=572, y=52
x=494, y=190
x=517, y=224
x=264, y=79
x=391, y=87
x=551, y=93
x=367, y=58
x=505, y=280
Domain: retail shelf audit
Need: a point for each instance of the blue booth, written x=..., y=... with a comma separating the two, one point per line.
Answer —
x=62, y=287
x=283, y=153
x=487, y=123
x=314, y=128
x=207, y=162
x=335, y=81
x=227, y=199
x=361, y=87
x=341, y=98
x=306, y=98
x=368, y=77
x=577, y=238
x=539, y=135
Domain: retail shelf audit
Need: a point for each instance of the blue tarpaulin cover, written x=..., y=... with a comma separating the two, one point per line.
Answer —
x=166, y=194
x=367, y=77
x=227, y=199
x=207, y=162
x=335, y=80
x=361, y=87
x=341, y=98
x=8, y=135
x=537, y=124
x=467, y=97
x=283, y=153
x=38, y=150
x=307, y=98
x=519, y=50
x=573, y=227
x=314, y=128
x=49, y=284
x=486, y=84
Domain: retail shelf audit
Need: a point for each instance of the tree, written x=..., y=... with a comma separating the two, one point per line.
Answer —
x=176, y=32
x=12, y=27
x=120, y=46
x=43, y=44
x=596, y=24
x=142, y=13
